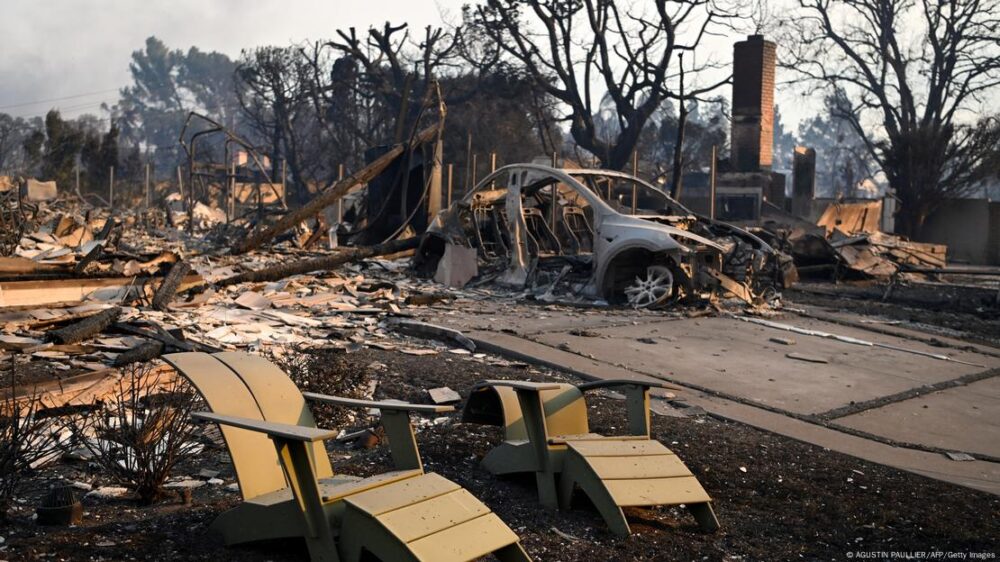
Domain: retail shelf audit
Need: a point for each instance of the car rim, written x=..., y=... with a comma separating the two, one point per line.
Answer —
x=655, y=287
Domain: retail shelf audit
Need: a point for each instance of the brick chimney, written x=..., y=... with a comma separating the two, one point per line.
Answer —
x=753, y=104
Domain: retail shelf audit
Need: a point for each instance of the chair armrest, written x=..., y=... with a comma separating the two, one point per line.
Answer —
x=390, y=405
x=519, y=385
x=624, y=382
x=271, y=429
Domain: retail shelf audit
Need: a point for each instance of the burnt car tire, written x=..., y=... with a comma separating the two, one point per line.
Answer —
x=652, y=289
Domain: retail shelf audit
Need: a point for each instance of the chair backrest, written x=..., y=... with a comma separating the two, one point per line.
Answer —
x=565, y=411
x=277, y=397
x=255, y=459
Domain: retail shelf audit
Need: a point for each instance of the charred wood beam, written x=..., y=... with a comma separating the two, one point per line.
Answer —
x=168, y=288
x=164, y=337
x=91, y=256
x=109, y=225
x=89, y=326
x=16, y=265
x=325, y=263
x=140, y=353
x=335, y=192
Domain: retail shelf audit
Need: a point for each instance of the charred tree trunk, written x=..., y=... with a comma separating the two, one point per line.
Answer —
x=321, y=264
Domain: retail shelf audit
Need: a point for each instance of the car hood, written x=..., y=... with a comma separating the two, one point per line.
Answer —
x=649, y=228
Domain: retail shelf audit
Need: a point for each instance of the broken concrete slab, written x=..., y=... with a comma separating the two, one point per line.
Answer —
x=807, y=358
x=444, y=395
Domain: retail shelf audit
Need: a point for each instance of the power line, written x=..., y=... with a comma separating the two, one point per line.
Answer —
x=36, y=102
x=64, y=111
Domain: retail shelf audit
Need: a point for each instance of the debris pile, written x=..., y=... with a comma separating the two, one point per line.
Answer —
x=840, y=252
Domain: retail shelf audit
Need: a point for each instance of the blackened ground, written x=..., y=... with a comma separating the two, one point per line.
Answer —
x=776, y=499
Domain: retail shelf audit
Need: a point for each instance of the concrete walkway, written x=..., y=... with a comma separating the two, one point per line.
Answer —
x=895, y=405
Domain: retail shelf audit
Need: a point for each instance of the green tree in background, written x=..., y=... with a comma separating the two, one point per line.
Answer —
x=167, y=84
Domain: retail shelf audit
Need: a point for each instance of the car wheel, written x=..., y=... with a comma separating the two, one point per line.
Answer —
x=654, y=288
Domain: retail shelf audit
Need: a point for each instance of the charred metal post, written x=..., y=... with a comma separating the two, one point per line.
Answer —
x=473, y=183
x=231, y=202
x=434, y=191
x=635, y=188
x=451, y=171
x=468, y=163
x=190, y=197
x=111, y=187
x=555, y=196
x=284, y=181
x=340, y=202
x=711, y=183
x=493, y=168
x=147, y=185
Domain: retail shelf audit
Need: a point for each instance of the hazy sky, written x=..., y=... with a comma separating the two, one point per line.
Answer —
x=74, y=54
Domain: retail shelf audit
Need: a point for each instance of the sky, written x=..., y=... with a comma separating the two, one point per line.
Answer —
x=74, y=54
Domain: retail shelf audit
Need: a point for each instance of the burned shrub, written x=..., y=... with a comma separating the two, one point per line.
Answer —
x=141, y=431
x=26, y=440
x=325, y=371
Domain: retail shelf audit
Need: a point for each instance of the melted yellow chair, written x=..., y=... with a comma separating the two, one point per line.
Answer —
x=547, y=432
x=289, y=488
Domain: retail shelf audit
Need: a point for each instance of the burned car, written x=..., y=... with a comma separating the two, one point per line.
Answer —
x=603, y=234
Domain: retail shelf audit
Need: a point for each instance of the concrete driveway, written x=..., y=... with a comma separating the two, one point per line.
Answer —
x=900, y=404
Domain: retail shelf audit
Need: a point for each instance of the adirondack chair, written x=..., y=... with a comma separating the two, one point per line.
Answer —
x=547, y=432
x=289, y=488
